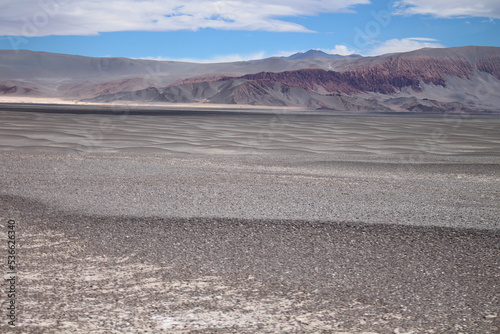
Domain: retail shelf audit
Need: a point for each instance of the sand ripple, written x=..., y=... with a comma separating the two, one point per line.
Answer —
x=251, y=134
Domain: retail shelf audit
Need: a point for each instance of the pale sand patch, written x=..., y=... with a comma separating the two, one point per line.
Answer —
x=47, y=100
x=32, y=99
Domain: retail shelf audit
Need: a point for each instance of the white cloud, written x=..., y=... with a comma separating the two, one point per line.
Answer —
x=31, y=18
x=390, y=46
x=234, y=57
x=450, y=8
x=341, y=50
x=404, y=45
x=216, y=59
x=285, y=53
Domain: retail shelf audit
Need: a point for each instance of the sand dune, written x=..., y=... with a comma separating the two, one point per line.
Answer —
x=257, y=134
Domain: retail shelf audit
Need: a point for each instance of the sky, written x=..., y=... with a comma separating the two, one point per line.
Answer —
x=235, y=30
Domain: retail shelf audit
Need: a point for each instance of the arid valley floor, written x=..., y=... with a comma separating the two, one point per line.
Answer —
x=252, y=223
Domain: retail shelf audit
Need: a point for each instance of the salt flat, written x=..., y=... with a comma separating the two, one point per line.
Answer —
x=254, y=223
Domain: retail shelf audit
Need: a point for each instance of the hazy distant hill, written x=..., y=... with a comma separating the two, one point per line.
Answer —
x=316, y=54
x=465, y=79
x=58, y=75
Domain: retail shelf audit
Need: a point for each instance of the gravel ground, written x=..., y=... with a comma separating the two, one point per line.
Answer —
x=454, y=191
x=220, y=223
x=285, y=244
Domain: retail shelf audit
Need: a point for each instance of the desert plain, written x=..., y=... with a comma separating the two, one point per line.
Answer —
x=193, y=220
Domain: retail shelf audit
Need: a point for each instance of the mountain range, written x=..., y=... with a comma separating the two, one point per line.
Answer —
x=463, y=79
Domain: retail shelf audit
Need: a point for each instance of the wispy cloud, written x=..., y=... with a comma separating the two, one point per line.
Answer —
x=379, y=48
x=216, y=59
x=389, y=46
x=450, y=8
x=31, y=18
x=404, y=45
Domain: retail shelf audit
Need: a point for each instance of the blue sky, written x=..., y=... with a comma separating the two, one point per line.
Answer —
x=229, y=30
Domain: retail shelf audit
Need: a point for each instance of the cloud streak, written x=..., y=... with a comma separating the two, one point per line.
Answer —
x=216, y=59
x=404, y=45
x=30, y=18
x=389, y=46
x=450, y=8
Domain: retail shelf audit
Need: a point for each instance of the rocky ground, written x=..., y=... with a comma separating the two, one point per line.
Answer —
x=83, y=274
x=211, y=223
x=86, y=268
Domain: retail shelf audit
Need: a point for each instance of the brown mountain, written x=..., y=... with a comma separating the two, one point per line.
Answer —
x=77, y=77
x=465, y=79
x=430, y=80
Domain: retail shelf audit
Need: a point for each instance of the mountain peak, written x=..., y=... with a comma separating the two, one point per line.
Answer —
x=318, y=54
